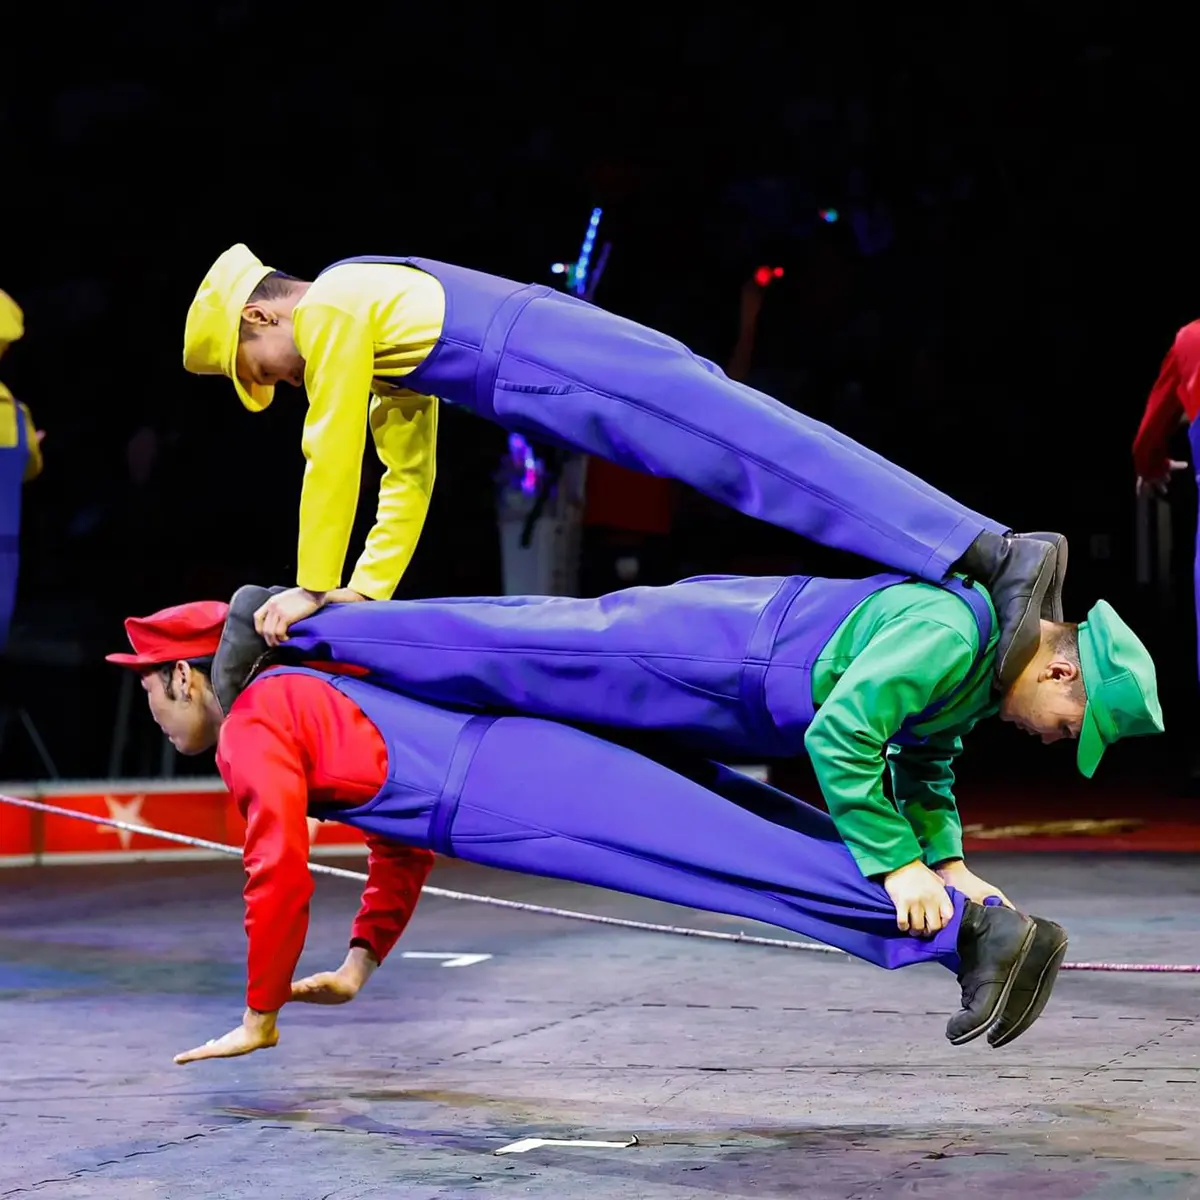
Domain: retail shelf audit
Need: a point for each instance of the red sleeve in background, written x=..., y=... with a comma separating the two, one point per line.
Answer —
x=1187, y=357
x=1174, y=397
x=396, y=873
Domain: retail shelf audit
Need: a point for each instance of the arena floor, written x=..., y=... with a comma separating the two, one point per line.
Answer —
x=741, y=1071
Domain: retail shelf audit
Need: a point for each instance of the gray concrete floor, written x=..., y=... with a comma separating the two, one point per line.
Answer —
x=742, y=1071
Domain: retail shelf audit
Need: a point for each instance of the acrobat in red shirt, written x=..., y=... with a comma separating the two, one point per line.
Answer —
x=288, y=740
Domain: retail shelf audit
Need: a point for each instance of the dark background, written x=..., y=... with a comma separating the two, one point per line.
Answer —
x=1014, y=253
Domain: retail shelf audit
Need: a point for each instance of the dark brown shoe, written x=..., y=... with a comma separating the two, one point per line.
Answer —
x=1034, y=983
x=993, y=943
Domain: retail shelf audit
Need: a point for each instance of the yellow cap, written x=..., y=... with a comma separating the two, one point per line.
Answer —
x=210, y=337
x=12, y=320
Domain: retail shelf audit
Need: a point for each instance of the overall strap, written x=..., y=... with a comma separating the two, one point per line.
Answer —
x=442, y=823
x=982, y=612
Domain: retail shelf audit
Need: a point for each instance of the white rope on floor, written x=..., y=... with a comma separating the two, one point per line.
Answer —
x=542, y=909
x=444, y=893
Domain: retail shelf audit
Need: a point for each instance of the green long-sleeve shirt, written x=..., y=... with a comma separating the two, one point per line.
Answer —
x=898, y=652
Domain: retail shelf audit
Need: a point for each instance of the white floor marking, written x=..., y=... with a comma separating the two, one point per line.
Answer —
x=454, y=958
x=533, y=1143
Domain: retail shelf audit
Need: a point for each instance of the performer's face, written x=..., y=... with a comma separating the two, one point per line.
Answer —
x=267, y=353
x=183, y=708
x=1047, y=700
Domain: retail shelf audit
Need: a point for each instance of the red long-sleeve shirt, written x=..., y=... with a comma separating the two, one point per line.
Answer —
x=1175, y=396
x=290, y=739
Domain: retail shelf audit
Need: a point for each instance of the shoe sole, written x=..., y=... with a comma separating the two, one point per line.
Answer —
x=1002, y=999
x=1037, y=1002
x=1059, y=542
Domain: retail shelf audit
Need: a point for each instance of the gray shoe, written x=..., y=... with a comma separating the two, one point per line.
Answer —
x=1017, y=572
x=1052, y=606
x=241, y=648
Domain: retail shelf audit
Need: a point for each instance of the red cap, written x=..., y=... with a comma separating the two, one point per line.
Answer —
x=183, y=632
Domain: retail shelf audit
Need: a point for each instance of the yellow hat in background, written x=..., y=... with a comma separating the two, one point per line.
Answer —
x=210, y=337
x=12, y=320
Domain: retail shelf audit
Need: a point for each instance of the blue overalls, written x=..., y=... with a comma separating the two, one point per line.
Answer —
x=720, y=664
x=560, y=370
x=547, y=799
x=13, y=460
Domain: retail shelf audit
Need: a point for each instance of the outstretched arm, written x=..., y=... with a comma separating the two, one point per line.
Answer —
x=901, y=671
x=339, y=359
x=923, y=784
x=395, y=875
x=404, y=429
x=261, y=762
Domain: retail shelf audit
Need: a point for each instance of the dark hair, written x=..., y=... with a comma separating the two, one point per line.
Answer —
x=166, y=671
x=1064, y=641
x=275, y=286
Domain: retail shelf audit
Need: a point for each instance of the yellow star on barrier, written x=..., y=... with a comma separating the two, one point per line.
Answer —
x=130, y=811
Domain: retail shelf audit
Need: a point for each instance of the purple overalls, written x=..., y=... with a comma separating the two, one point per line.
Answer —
x=547, y=799
x=718, y=664
x=558, y=369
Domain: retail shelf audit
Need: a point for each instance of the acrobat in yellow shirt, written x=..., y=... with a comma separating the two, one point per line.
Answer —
x=358, y=327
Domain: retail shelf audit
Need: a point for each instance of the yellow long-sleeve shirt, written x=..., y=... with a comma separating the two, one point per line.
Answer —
x=358, y=327
x=9, y=408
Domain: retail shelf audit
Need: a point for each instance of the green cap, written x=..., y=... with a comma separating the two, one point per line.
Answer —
x=1122, y=688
